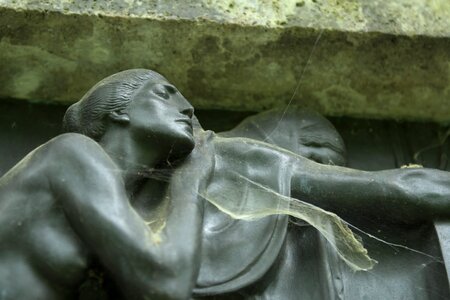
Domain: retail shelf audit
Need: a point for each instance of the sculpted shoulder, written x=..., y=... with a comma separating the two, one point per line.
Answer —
x=80, y=170
x=63, y=152
x=73, y=143
x=67, y=155
x=74, y=148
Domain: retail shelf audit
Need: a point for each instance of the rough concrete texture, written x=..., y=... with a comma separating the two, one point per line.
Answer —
x=374, y=58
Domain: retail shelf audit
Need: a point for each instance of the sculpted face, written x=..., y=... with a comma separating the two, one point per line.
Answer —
x=322, y=154
x=159, y=112
x=318, y=140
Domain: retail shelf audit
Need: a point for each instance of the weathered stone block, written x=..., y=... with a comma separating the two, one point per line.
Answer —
x=376, y=59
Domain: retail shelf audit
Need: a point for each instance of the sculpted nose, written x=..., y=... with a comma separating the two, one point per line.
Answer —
x=188, y=111
x=186, y=108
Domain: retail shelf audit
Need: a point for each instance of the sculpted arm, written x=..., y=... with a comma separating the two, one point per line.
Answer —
x=408, y=195
x=92, y=195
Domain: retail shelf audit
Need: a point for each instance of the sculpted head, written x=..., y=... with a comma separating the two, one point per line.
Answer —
x=320, y=141
x=140, y=100
x=298, y=130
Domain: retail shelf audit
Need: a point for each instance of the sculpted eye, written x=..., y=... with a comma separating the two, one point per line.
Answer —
x=162, y=92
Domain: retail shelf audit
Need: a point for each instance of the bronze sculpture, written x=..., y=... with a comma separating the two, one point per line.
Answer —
x=60, y=204
x=81, y=208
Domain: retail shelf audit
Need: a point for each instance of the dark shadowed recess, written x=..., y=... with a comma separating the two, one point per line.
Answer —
x=371, y=144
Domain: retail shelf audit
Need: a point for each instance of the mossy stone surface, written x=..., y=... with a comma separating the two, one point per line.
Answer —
x=374, y=59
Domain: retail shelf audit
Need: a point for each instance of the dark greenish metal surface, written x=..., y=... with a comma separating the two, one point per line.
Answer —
x=371, y=145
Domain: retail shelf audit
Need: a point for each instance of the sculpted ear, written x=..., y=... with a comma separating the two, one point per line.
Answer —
x=119, y=117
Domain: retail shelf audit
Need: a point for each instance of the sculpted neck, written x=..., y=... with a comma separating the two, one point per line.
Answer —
x=130, y=155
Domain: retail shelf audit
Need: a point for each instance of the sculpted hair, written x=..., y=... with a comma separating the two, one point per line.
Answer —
x=114, y=93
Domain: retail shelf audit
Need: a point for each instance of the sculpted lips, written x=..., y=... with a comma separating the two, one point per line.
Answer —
x=187, y=121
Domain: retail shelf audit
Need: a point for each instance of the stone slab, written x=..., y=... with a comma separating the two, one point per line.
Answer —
x=374, y=59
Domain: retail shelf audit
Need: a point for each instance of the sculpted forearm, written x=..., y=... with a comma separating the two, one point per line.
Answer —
x=121, y=240
x=185, y=220
x=181, y=241
x=94, y=200
x=403, y=195
x=334, y=187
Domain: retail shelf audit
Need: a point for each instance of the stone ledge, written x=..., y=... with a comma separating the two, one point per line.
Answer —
x=373, y=60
